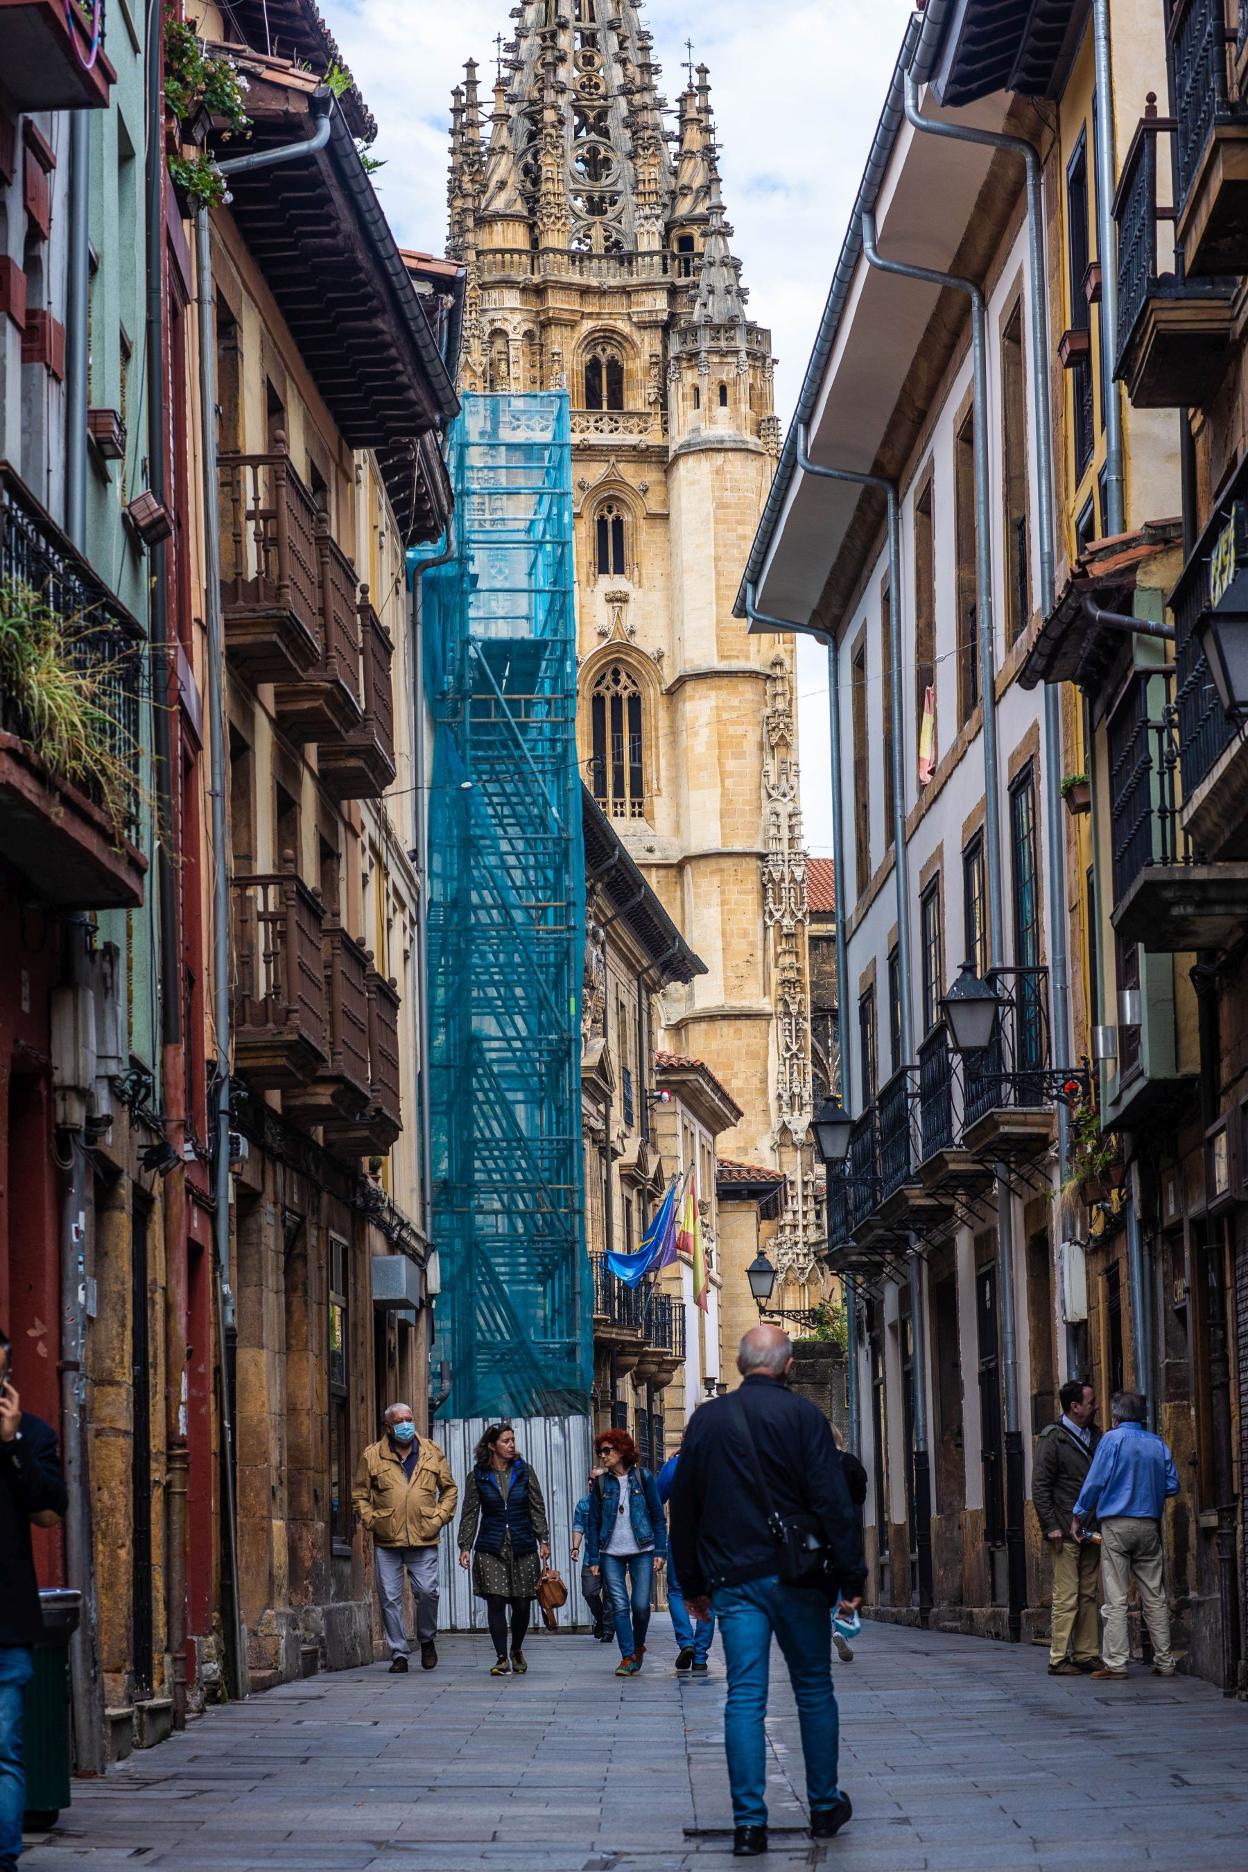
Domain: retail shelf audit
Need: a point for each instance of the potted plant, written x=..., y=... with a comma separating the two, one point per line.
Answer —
x=1077, y=793
x=1095, y=1156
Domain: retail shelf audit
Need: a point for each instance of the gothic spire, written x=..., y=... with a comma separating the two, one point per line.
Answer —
x=500, y=191
x=693, y=161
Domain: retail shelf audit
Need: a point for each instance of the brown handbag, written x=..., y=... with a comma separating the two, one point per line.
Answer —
x=551, y=1594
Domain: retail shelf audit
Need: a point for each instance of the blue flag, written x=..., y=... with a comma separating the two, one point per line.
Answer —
x=658, y=1245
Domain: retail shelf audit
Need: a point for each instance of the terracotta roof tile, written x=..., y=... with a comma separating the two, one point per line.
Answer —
x=821, y=885
x=681, y=1062
x=730, y=1170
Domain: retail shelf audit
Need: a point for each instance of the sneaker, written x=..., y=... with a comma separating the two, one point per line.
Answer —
x=397, y=1666
x=518, y=1664
x=501, y=1669
x=1163, y=1670
x=628, y=1667
x=1119, y=1676
x=844, y=1650
x=1066, y=1669
x=749, y=1842
x=428, y=1655
x=700, y=1667
x=684, y=1657
x=825, y=1821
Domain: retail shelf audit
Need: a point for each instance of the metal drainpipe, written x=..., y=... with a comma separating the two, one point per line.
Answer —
x=901, y=881
x=322, y=104
x=77, y=293
x=1107, y=253
x=755, y=616
x=1015, y=1500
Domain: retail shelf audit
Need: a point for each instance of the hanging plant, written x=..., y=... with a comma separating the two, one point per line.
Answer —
x=196, y=82
x=198, y=180
x=1095, y=1155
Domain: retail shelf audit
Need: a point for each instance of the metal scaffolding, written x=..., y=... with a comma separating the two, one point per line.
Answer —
x=506, y=922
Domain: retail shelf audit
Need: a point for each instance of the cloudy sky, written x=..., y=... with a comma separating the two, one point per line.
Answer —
x=797, y=90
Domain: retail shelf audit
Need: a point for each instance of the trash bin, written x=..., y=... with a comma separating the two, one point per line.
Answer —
x=45, y=1711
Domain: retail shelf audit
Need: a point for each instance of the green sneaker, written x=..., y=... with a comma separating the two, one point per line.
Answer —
x=628, y=1667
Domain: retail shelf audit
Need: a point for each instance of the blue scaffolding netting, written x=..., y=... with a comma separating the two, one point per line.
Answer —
x=506, y=922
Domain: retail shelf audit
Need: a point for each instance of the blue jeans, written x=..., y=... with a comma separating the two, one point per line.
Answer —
x=16, y=1669
x=690, y=1637
x=631, y=1612
x=749, y=1616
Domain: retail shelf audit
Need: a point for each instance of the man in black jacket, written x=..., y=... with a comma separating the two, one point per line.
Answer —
x=728, y=1556
x=32, y=1493
x=1064, y=1452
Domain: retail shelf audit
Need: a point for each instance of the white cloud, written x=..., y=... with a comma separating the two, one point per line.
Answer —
x=797, y=91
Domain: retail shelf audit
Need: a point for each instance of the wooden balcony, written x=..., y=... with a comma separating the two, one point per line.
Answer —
x=1210, y=141
x=280, y=1006
x=373, y=1132
x=271, y=592
x=360, y=764
x=48, y=60
x=1174, y=332
x=324, y=704
x=70, y=836
x=341, y=1089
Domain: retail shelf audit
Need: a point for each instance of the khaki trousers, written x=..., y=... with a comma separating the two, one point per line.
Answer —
x=1076, y=1588
x=1132, y=1550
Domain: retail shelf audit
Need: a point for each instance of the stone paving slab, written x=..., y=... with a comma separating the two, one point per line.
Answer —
x=960, y=1755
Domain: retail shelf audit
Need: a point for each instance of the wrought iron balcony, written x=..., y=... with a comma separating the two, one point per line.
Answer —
x=838, y=1210
x=616, y=1306
x=280, y=1012
x=68, y=825
x=894, y=1109
x=54, y=56
x=864, y=1168
x=936, y=1128
x=1009, y=1095
x=1211, y=137
x=1174, y=331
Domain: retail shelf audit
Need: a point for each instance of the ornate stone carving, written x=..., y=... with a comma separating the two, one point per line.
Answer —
x=594, y=986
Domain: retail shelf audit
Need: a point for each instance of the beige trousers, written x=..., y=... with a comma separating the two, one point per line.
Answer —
x=1132, y=1550
x=1076, y=1588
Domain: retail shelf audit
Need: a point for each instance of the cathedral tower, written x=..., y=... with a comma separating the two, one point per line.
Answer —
x=599, y=258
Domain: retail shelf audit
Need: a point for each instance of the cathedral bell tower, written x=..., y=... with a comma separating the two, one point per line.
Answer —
x=599, y=259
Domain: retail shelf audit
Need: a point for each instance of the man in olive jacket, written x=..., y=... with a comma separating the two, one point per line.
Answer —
x=405, y=1495
x=1062, y=1460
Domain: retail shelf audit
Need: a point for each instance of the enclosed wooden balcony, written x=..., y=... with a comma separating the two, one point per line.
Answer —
x=69, y=813
x=53, y=55
x=280, y=1005
x=1211, y=137
x=324, y=704
x=341, y=1088
x=1174, y=331
x=270, y=585
x=360, y=764
x=374, y=1130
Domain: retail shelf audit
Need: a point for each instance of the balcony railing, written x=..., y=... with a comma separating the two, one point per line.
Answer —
x=279, y=1000
x=1010, y=1072
x=72, y=855
x=613, y=1300
x=1143, y=805
x=271, y=594
x=360, y=764
x=1198, y=42
x=935, y=1095
x=663, y=1323
x=1205, y=729
x=895, y=1110
x=385, y=1115
x=864, y=1167
x=342, y=1088
x=838, y=1210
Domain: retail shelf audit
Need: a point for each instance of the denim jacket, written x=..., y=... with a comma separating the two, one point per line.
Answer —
x=644, y=1508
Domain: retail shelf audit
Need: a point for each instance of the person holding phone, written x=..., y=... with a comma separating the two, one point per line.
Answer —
x=32, y=1494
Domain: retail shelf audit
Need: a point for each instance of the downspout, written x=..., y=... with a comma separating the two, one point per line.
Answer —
x=1107, y=254
x=901, y=879
x=322, y=103
x=765, y=621
x=77, y=294
x=1015, y=1506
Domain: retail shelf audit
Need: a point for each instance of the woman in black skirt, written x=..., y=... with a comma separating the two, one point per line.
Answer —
x=505, y=1516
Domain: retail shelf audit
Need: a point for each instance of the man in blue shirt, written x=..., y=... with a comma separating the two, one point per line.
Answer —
x=1127, y=1486
x=693, y=1639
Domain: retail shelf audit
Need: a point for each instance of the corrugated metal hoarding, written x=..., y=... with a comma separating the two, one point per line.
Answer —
x=558, y=1449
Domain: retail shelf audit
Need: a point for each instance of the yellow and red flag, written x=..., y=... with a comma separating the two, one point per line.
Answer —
x=689, y=1239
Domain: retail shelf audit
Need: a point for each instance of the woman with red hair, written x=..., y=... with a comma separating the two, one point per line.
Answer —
x=627, y=1540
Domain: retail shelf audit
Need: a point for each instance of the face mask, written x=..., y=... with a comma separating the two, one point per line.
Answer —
x=403, y=1432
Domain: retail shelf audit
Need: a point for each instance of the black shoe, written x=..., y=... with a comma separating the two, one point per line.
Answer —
x=749, y=1842
x=684, y=1657
x=428, y=1655
x=700, y=1670
x=825, y=1821
x=397, y=1666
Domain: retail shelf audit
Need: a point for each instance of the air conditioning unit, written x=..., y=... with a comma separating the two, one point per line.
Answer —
x=396, y=1282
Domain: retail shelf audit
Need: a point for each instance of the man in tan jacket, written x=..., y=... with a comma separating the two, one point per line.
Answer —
x=405, y=1495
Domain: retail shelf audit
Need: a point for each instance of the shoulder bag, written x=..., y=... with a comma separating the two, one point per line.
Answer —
x=551, y=1594
x=802, y=1557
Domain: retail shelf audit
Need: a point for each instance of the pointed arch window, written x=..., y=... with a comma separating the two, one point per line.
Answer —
x=617, y=727
x=723, y=396
x=604, y=379
x=611, y=540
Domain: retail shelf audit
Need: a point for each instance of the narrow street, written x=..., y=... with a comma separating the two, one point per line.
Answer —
x=958, y=1753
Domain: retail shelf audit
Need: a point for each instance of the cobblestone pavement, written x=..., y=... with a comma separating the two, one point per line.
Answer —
x=958, y=1753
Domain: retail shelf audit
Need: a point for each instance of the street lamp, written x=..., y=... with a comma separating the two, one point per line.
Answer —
x=1223, y=630
x=832, y=1125
x=761, y=1275
x=970, y=1011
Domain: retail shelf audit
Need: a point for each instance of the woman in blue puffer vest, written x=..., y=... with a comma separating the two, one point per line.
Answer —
x=627, y=1540
x=505, y=1515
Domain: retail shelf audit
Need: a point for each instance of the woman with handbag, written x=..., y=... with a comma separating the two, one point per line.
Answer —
x=627, y=1540
x=505, y=1516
